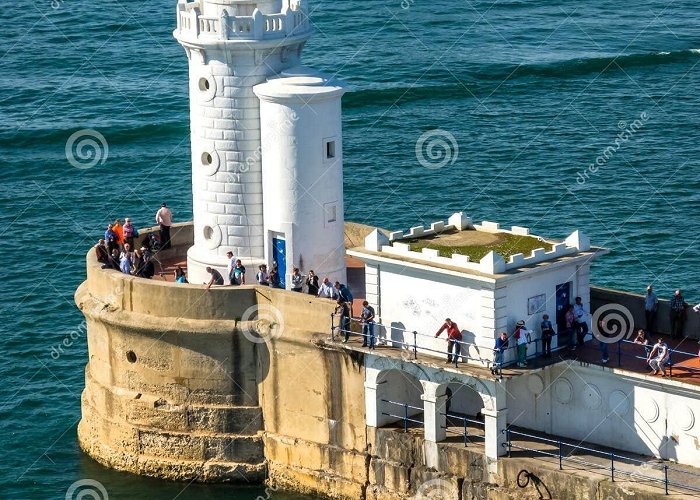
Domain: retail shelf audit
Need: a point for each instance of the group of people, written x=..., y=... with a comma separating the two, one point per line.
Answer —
x=119, y=249
x=678, y=308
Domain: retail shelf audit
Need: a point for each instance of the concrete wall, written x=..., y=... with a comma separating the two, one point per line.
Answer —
x=634, y=303
x=633, y=412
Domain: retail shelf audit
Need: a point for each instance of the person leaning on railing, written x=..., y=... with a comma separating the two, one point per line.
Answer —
x=343, y=310
x=454, y=337
x=498, y=350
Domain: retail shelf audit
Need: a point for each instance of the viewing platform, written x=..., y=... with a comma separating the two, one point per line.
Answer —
x=193, y=25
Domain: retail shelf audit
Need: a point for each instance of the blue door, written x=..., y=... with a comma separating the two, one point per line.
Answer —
x=279, y=257
x=563, y=302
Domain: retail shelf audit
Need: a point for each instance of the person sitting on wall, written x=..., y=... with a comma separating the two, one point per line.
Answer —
x=367, y=324
x=580, y=324
x=180, y=275
x=297, y=280
x=312, y=283
x=342, y=310
x=498, y=350
x=126, y=260
x=522, y=337
x=454, y=336
x=262, y=277
x=547, y=334
x=101, y=252
x=643, y=338
x=662, y=356
x=677, y=314
x=326, y=290
x=216, y=278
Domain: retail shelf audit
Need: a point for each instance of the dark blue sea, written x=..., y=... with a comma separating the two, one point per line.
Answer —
x=553, y=115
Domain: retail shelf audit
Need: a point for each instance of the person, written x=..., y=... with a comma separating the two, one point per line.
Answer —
x=101, y=252
x=522, y=336
x=274, y=277
x=231, y=267
x=312, y=283
x=138, y=262
x=569, y=320
x=342, y=310
x=125, y=264
x=677, y=305
x=651, y=306
x=547, y=334
x=111, y=238
x=180, y=275
x=662, y=356
x=344, y=293
x=164, y=218
x=216, y=278
x=643, y=338
x=119, y=230
x=580, y=324
x=327, y=290
x=498, y=350
x=261, y=276
x=114, y=261
x=297, y=280
x=454, y=336
x=129, y=232
x=367, y=316
x=239, y=273
x=148, y=269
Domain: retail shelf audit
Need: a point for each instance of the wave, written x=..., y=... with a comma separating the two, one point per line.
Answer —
x=114, y=135
x=482, y=79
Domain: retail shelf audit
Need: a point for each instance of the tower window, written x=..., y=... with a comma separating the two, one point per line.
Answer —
x=328, y=149
x=206, y=159
x=208, y=232
x=330, y=212
x=204, y=84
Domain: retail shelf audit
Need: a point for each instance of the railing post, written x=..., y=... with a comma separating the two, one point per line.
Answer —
x=465, y=431
x=332, y=327
x=612, y=466
x=405, y=417
x=510, y=445
x=666, y=479
x=415, y=344
x=619, y=353
x=560, y=454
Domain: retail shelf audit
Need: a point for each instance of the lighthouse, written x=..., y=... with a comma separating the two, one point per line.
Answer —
x=266, y=140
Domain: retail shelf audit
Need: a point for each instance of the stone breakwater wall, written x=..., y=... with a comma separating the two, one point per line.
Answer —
x=241, y=385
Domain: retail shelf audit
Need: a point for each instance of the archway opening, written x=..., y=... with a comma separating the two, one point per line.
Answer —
x=400, y=402
x=464, y=420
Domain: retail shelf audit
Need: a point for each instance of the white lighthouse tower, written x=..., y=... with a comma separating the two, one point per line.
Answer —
x=232, y=45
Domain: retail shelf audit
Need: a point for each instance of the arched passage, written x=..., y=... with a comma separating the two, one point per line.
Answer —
x=464, y=420
x=399, y=397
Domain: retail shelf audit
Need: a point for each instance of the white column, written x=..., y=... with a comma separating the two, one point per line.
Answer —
x=494, y=426
x=373, y=412
x=434, y=403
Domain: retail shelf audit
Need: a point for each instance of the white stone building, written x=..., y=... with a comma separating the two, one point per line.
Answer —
x=416, y=290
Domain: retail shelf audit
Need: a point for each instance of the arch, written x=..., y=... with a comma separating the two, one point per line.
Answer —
x=396, y=388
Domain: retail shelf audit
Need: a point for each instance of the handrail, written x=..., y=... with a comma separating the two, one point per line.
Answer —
x=464, y=346
x=609, y=455
x=465, y=434
x=406, y=419
x=670, y=363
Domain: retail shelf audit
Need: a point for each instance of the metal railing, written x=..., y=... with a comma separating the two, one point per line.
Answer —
x=613, y=461
x=404, y=416
x=465, y=429
x=413, y=348
x=648, y=347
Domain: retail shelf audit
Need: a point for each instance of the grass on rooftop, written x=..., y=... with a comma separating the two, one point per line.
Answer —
x=505, y=244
